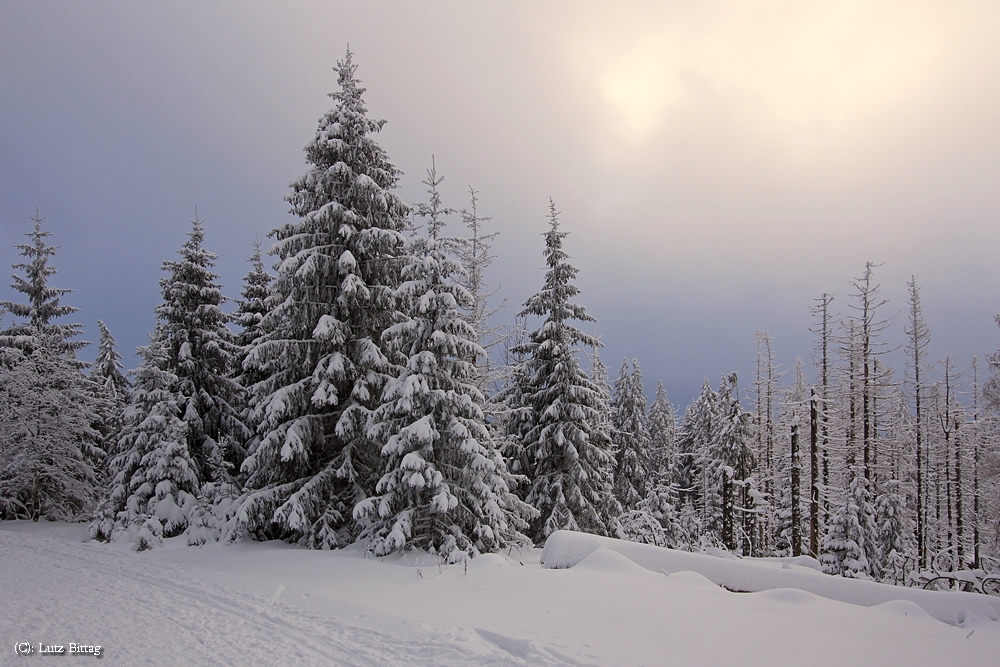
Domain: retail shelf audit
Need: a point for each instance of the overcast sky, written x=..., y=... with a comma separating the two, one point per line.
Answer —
x=718, y=164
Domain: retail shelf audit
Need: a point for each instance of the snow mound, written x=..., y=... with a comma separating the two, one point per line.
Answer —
x=689, y=578
x=606, y=560
x=906, y=608
x=565, y=549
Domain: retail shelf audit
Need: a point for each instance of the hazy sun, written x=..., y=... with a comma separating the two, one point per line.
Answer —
x=806, y=73
x=641, y=87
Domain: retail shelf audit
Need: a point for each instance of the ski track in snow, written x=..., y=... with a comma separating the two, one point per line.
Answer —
x=273, y=604
x=146, y=612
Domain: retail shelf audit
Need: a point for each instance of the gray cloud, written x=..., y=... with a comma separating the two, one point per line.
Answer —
x=718, y=165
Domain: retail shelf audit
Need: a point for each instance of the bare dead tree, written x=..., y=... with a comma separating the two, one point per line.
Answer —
x=918, y=338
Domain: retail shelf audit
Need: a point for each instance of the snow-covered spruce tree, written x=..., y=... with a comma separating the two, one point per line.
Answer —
x=256, y=299
x=662, y=425
x=695, y=428
x=565, y=447
x=699, y=481
x=155, y=478
x=49, y=446
x=689, y=530
x=659, y=507
x=320, y=348
x=445, y=487
x=895, y=532
x=714, y=463
x=599, y=374
x=630, y=437
x=106, y=370
x=850, y=546
x=662, y=497
x=112, y=388
x=253, y=304
x=734, y=446
x=201, y=353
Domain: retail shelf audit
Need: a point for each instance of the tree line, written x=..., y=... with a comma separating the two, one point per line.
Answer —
x=362, y=391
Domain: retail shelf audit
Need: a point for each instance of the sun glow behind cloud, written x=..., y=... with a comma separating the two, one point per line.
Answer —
x=641, y=87
x=764, y=133
x=808, y=75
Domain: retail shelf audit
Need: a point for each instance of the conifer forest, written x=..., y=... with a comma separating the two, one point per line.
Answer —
x=363, y=387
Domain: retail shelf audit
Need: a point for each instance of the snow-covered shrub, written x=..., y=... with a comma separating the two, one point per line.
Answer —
x=641, y=526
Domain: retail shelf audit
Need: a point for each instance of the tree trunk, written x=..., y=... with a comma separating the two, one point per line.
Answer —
x=813, y=477
x=36, y=505
x=728, y=532
x=796, y=506
x=946, y=425
x=921, y=522
x=976, y=435
x=959, y=528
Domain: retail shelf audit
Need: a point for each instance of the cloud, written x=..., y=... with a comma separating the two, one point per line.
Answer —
x=718, y=164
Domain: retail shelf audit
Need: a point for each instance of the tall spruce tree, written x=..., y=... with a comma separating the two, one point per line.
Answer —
x=201, y=353
x=732, y=459
x=320, y=350
x=155, y=484
x=112, y=387
x=662, y=497
x=48, y=409
x=445, y=485
x=694, y=435
x=255, y=300
x=698, y=475
x=630, y=437
x=253, y=304
x=662, y=435
x=566, y=450
x=106, y=370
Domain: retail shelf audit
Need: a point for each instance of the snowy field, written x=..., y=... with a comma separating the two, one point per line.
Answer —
x=273, y=604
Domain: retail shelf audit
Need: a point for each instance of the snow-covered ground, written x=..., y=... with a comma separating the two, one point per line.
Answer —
x=272, y=604
x=752, y=575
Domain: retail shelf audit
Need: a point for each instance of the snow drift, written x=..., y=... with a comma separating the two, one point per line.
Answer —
x=566, y=549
